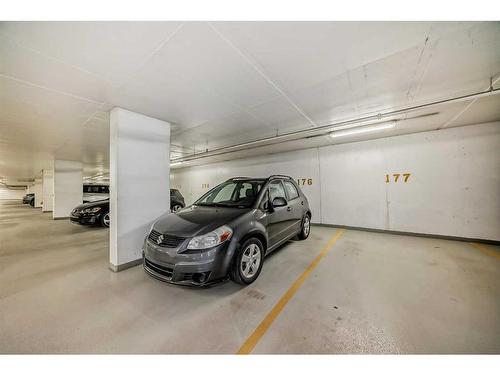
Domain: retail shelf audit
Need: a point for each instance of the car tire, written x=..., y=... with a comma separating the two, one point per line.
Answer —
x=305, y=228
x=176, y=207
x=104, y=220
x=252, y=251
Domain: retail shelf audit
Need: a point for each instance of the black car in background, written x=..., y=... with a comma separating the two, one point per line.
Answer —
x=29, y=199
x=95, y=192
x=176, y=200
x=97, y=213
x=92, y=213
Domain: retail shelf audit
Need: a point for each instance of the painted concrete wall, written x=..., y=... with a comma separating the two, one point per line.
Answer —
x=47, y=190
x=452, y=189
x=11, y=194
x=139, y=181
x=68, y=192
x=38, y=191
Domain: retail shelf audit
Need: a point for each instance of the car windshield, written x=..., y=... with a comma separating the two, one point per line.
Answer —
x=240, y=194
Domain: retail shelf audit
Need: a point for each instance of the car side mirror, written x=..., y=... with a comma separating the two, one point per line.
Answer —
x=279, y=202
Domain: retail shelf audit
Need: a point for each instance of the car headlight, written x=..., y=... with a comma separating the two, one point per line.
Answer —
x=91, y=210
x=211, y=239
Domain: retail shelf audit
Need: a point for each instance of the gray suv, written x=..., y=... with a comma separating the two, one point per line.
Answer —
x=227, y=232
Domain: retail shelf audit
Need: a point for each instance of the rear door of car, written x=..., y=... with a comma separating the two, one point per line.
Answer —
x=295, y=206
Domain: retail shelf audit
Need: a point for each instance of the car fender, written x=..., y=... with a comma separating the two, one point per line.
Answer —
x=244, y=227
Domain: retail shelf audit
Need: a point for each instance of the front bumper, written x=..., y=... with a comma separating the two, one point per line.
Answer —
x=202, y=268
x=84, y=219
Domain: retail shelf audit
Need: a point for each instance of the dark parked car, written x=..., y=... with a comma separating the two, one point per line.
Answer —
x=29, y=199
x=95, y=192
x=227, y=232
x=97, y=213
x=176, y=200
x=92, y=213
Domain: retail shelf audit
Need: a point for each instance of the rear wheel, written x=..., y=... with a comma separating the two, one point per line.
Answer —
x=306, y=227
x=105, y=220
x=248, y=262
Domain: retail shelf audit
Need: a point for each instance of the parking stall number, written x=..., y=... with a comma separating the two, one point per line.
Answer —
x=397, y=177
x=304, y=181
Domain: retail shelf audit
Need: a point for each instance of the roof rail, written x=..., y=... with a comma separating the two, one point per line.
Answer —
x=279, y=176
x=240, y=177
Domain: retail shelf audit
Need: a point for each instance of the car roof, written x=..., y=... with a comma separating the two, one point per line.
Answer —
x=274, y=176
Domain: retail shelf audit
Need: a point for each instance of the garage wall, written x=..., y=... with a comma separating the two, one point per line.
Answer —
x=452, y=188
x=11, y=194
x=194, y=182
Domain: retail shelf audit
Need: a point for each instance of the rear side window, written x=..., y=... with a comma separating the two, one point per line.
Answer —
x=291, y=190
x=103, y=189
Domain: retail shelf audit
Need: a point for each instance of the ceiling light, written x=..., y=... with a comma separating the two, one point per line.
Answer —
x=175, y=163
x=364, y=129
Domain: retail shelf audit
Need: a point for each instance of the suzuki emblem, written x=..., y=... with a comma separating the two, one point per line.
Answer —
x=159, y=240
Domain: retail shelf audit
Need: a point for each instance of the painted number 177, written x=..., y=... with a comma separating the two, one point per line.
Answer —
x=396, y=177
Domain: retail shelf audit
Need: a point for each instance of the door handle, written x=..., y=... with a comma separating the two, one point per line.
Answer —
x=289, y=208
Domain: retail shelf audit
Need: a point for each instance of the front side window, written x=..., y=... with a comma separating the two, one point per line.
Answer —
x=291, y=190
x=276, y=190
x=241, y=194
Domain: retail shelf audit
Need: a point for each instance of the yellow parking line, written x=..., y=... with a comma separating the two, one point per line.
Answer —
x=486, y=250
x=264, y=325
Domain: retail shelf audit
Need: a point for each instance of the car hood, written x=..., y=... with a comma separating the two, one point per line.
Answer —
x=196, y=220
x=101, y=203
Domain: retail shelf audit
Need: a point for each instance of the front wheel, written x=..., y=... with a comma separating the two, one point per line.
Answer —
x=248, y=263
x=105, y=220
x=306, y=227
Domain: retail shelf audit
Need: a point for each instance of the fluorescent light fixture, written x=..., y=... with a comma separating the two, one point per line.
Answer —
x=175, y=163
x=363, y=129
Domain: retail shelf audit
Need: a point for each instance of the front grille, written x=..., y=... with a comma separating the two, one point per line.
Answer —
x=162, y=270
x=167, y=241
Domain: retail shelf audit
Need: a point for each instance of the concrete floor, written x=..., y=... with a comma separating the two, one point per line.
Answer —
x=372, y=293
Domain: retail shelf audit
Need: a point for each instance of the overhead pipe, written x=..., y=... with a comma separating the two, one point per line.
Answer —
x=346, y=124
x=14, y=187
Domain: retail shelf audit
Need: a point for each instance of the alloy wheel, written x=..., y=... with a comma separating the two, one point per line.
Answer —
x=106, y=220
x=307, y=226
x=250, y=261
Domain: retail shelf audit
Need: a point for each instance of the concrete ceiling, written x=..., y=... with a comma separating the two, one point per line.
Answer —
x=222, y=83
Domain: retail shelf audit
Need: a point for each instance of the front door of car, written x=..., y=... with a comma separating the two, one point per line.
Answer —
x=278, y=217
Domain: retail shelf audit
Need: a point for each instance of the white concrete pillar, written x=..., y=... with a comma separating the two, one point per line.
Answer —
x=37, y=190
x=139, y=182
x=47, y=190
x=68, y=187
